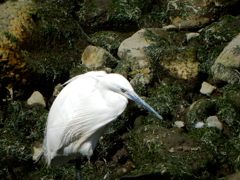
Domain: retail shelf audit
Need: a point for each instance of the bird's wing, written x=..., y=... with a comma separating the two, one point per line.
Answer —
x=87, y=125
x=68, y=102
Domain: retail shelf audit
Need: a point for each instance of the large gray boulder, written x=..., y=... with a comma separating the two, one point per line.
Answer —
x=227, y=64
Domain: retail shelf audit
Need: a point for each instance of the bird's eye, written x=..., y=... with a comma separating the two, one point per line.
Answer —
x=123, y=90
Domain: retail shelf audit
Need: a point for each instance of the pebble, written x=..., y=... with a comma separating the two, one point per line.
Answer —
x=171, y=150
x=207, y=88
x=199, y=125
x=36, y=98
x=37, y=150
x=191, y=35
x=179, y=124
x=169, y=27
x=57, y=89
x=212, y=121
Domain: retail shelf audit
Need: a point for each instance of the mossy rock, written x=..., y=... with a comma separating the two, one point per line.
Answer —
x=97, y=58
x=56, y=44
x=122, y=68
x=224, y=68
x=221, y=107
x=167, y=100
x=198, y=112
x=120, y=13
x=107, y=40
x=221, y=149
x=171, y=58
x=117, y=12
x=16, y=25
x=232, y=93
x=174, y=156
x=94, y=13
x=213, y=38
x=221, y=32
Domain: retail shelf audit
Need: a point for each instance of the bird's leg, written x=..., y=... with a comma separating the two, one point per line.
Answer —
x=78, y=167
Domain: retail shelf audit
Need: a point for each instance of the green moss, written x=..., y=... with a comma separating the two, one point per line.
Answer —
x=232, y=93
x=219, y=148
x=157, y=17
x=124, y=11
x=168, y=48
x=23, y=120
x=54, y=46
x=23, y=125
x=228, y=109
x=160, y=37
x=67, y=171
x=123, y=68
x=77, y=71
x=222, y=31
x=155, y=142
x=207, y=57
x=212, y=40
x=166, y=100
x=233, y=153
x=107, y=40
x=198, y=112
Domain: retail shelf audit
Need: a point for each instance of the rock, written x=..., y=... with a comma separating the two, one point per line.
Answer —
x=140, y=79
x=125, y=168
x=198, y=112
x=57, y=89
x=170, y=28
x=132, y=49
x=98, y=12
x=10, y=90
x=187, y=15
x=191, y=35
x=123, y=68
x=36, y=98
x=234, y=176
x=199, y=125
x=139, y=51
x=182, y=64
x=138, y=121
x=227, y=63
x=179, y=124
x=227, y=114
x=93, y=10
x=192, y=23
x=37, y=151
x=212, y=121
x=207, y=88
x=155, y=141
x=107, y=40
x=16, y=24
x=232, y=94
x=215, y=33
x=171, y=150
x=96, y=58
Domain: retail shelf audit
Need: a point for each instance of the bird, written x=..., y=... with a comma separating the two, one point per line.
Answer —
x=83, y=111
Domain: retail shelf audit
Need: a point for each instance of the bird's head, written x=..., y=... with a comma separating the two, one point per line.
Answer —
x=119, y=84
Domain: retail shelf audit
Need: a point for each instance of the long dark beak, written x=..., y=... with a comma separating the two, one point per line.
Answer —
x=133, y=96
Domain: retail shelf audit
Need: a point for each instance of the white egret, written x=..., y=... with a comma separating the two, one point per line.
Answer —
x=83, y=111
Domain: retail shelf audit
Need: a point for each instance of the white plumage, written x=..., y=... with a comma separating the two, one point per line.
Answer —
x=83, y=111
